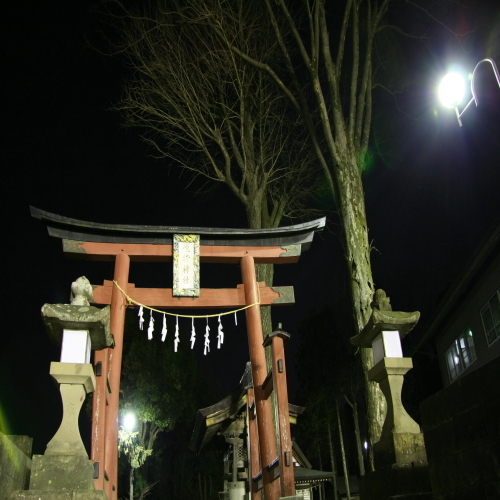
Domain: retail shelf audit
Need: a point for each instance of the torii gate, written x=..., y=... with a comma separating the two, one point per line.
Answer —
x=126, y=243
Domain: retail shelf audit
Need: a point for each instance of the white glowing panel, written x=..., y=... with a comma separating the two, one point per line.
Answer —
x=75, y=346
x=387, y=345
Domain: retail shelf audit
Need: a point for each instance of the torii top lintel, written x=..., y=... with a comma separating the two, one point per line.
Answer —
x=96, y=241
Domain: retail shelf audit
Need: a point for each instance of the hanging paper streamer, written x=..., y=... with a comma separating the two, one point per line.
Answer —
x=235, y=319
x=141, y=318
x=220, y=335
x=151, y=326
x=164, y=329
x=176, y=340
x=193, y=333
x=207, y=339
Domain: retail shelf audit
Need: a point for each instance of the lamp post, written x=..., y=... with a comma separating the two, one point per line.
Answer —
x=452, y=88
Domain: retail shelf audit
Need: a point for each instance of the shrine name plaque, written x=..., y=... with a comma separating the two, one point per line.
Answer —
x=186, y=265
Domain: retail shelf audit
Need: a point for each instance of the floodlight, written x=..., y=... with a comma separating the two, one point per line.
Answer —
x=452, y=90
x=129, y=422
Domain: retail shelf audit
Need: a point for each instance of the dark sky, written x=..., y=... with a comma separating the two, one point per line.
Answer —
x=431, y=193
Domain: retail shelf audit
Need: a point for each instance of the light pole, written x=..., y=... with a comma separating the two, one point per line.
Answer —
x=127, y=441
x=452, y=88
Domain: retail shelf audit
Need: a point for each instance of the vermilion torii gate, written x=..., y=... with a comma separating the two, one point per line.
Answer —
x=126, y=243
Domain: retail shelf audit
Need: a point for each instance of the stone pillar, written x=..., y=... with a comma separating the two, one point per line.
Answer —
x=75, y=382
x=401, y=440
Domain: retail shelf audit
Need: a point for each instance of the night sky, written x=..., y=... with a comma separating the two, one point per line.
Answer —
x=431, y=193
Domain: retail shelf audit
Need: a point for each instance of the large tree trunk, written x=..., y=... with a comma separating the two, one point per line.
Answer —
x=265, y=272
x=357, y=252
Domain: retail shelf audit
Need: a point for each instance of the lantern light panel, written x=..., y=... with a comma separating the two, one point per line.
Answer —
x=75, y=346
x=387, y=345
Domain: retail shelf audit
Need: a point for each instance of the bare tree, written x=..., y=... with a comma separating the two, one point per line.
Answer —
x=206, y=110
x=338, y=120
x=328, y=76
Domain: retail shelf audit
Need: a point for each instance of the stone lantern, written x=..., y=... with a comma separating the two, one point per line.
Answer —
x=78, y=328
x=401, y=441
x=235, y=462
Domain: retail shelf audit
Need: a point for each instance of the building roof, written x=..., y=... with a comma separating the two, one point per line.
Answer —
x=487, y=250
x=209, y=420
x=305, y=475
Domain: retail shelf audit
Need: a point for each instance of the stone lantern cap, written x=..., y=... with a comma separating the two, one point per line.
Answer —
x=79, y=315
x=383, y=318
x=59, y=317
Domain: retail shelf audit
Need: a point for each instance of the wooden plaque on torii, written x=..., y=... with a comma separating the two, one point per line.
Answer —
x=124, y=244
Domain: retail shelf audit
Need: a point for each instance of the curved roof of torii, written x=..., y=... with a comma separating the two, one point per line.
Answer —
x=62, y=227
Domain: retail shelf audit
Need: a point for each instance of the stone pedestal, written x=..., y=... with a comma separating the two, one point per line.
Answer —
x=400, y=458
x=65, y=472
x=75, y=379
x=61, y=472
x=401, y=441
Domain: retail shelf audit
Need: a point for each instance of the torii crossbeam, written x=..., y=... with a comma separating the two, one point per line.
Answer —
x=124, y=244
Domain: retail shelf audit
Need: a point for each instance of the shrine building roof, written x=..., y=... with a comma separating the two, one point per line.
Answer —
x=211, y=419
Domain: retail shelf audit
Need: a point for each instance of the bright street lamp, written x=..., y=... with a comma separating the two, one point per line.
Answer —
x=129, y=422
x=452, y=88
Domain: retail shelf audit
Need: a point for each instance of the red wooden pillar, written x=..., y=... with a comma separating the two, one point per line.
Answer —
x=253, y=447
x=99, y=414
x=117, y=323
x=259, y=372
x=281, y=392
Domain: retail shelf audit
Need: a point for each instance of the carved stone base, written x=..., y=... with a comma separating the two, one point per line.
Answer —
x=61, y=472
x=400, y=448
